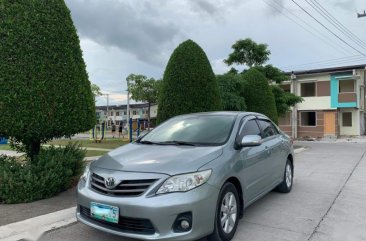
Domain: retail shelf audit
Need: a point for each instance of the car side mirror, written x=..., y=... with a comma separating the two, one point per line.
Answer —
x=251, y=140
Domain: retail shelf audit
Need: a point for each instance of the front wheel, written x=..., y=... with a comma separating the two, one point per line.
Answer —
x=286, y=185
x=227, y=214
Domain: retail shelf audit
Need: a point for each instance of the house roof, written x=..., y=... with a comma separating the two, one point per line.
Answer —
x=327, y=70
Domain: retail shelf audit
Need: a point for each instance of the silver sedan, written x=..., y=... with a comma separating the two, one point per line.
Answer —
x=190, y=177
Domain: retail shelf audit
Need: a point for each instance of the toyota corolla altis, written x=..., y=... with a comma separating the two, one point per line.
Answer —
x=191, y=177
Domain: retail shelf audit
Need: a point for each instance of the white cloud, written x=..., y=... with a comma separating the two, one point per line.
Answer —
x=119, y=37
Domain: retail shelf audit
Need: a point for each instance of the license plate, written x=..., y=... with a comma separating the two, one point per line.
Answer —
x=104, y=212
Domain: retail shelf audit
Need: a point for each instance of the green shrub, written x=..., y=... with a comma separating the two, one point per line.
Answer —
x=284, y=100
x=258, y=94
x=189, y=84
x=231, y=87
x=55, y=170
x=45, y=92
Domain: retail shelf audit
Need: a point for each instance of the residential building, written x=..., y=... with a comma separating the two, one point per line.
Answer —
x=117, y=114
x=334, y=103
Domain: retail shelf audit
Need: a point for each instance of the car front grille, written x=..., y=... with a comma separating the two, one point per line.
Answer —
x=124, y=188
x=125, y=224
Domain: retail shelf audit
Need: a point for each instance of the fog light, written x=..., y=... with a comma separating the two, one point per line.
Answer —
x=183, y=223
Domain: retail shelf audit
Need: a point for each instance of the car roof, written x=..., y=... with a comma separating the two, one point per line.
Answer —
x=223, y=113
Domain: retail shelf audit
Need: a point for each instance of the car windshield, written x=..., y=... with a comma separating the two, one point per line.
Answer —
x=192, y=130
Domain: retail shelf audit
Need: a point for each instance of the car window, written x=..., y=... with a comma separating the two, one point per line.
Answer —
x=250, y=128
x=268, y=129
x=200, y=129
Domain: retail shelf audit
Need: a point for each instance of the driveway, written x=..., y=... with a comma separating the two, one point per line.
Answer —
x=327, y=203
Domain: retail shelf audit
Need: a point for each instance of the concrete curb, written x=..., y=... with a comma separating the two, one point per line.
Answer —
x=86, y=148
x=33, y=228
x=299, y=150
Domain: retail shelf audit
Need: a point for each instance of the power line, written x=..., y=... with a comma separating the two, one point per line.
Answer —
x=327, y=16
x=317, y=33
x=328, y=28
x=325, y=61
x=316, y=30
x=343, y=27
x=328, y=64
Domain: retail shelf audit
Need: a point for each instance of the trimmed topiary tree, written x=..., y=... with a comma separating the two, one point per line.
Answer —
x=189, y=84
x=44, y=88
x=258, y=94
x=231, y=86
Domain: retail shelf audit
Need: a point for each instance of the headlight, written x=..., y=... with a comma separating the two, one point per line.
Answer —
x=86, y=173
x=184, y=182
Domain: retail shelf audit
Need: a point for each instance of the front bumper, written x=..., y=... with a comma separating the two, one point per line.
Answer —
x=160, y=210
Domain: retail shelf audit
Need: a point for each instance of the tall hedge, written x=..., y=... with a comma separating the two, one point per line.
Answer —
x=44, y=86
x=258, y=94
x=231, y=86
x=189, y=84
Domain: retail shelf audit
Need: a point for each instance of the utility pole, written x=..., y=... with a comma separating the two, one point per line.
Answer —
x=361, y=15
x=128, y=108
x=107, y=110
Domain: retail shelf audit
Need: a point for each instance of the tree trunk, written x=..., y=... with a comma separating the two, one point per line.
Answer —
x=34, y=149
x=148, y=116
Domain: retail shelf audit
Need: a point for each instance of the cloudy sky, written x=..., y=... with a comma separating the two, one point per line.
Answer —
x=119, y=37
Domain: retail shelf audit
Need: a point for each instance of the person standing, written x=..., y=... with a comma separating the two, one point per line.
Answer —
x=113, y=129
x=120, y=128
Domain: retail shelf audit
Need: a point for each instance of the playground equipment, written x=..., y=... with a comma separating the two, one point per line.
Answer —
x=3, y=140
x=131, y=128
x=98, y=132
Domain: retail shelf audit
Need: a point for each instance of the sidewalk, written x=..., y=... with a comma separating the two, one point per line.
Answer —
x=10, y=153
x=342, y=139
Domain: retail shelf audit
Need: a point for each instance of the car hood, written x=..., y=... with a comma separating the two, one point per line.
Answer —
x=168, y=159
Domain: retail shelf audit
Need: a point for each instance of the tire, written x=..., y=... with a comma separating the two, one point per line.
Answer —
x=225, y=230
x=288, y=176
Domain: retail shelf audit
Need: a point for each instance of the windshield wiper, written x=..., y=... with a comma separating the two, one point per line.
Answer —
x=177, y=143
x=147, y=142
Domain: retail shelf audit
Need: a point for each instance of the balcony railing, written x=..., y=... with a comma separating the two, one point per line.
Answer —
x=347, y=97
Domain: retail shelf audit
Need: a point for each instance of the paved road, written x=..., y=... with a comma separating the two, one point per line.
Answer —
x=328, y=202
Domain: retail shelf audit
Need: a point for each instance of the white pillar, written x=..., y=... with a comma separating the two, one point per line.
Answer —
x=294, y=108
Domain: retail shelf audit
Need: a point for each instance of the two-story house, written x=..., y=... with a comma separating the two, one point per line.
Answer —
x=117, y=114
x=334, y=103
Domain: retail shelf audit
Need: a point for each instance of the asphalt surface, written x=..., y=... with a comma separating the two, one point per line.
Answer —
x=327, y=203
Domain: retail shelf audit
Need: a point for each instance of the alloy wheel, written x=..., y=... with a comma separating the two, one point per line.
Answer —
x=228, y=212
x=288, y=175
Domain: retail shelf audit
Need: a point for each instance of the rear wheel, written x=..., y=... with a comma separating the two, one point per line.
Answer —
x=286, y=185
x=227, y=214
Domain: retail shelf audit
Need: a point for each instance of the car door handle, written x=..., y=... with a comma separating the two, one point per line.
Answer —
x=268, y=149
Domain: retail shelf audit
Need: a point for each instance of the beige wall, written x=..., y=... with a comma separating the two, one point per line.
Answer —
x=355, y=129
x=315, y=103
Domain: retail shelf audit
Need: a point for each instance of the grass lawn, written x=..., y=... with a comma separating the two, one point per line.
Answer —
x=5, y=147
x=106, y=143
x=95, y=153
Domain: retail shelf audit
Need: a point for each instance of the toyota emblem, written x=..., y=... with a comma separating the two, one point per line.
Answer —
x=109, y=182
